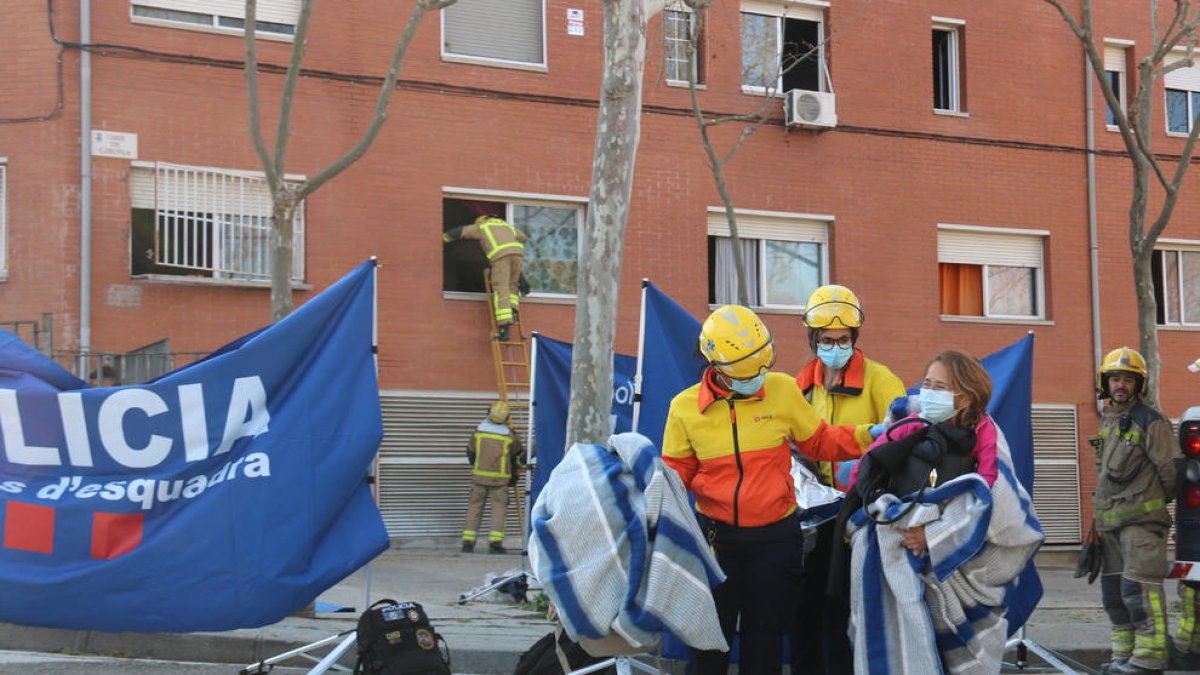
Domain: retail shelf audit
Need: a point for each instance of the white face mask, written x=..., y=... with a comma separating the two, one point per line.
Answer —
x=936, y=405
x=748, y=387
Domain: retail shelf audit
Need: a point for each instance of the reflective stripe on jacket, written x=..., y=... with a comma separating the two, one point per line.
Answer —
x=734, y=452
x=1137, y=469
x=497, y=237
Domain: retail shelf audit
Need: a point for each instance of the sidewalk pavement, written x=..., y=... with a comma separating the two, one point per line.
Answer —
x=488, y=634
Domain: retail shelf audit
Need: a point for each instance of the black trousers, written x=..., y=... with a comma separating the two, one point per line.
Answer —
x=819, y=642
x=763, y=566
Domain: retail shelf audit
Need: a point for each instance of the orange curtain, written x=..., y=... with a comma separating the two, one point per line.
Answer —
x=961, y=289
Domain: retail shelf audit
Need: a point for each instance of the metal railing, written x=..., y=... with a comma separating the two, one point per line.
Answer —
x=35, y=333
x=115, y=368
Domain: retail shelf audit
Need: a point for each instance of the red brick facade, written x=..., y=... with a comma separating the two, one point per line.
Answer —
x=888, y=174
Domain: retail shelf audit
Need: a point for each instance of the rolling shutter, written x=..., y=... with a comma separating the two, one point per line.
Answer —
x=1056, y=472
x=424, y=478
x=1186, y=78
x=506, y=30
x=270, y=11
x=775, y=229
x=1114, y=59
x=986, y=248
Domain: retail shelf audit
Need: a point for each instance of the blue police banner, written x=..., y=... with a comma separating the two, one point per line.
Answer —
x=552, y=395
x=223, y=495
x=1011, y=406
x=670, y=359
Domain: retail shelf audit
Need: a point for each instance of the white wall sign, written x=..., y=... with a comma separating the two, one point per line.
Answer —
x=574, y=22
x=114, y=144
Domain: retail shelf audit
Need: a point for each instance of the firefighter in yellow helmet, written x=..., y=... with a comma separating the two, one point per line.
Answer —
x=495, y=454
x=1135, y=481
x=844, y=387
x=729, y=437
x=504, y=246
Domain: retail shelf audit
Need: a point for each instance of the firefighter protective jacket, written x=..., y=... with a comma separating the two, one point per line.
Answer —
x=494, y=451
x=1137, y=473
x=733, y=452
x=498, y=238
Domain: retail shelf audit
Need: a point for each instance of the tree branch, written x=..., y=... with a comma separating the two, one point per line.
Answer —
x=251, y=71
x=299, y=46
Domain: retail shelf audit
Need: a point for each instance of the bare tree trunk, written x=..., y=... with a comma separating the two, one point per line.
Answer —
x=286, y=197
x=617, y=134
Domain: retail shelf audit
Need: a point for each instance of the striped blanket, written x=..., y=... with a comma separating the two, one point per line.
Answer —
x=617, y=548
x=950, y=610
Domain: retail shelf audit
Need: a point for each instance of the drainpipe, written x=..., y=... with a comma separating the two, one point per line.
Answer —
x=85, y=181
x=1093, y=238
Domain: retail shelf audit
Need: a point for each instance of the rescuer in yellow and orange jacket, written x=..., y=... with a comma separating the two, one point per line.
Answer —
x=730, y=438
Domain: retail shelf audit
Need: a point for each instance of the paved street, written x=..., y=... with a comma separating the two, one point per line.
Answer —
x=35, y=663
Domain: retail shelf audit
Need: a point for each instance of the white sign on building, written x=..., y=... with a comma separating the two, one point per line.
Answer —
x=114, y=144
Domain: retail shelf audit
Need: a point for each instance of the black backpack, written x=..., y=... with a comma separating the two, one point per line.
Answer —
x=395, y=638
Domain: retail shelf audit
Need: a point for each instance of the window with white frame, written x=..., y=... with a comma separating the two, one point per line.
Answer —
x=947, y=64
x=205, y=222
x=783, y=46
x=1183, y=95
x=3, y=219
x=785, y=258
x=272, y=17
x=503, y=31
x=991, y=272
x=551, y=227
x=1115, y=73
x=1176, y=271
x=679, y=31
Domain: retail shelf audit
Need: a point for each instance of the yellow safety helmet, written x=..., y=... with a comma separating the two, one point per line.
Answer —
x=833, y=306
x=498, y=413
x=736, y=342
x=1121, y=360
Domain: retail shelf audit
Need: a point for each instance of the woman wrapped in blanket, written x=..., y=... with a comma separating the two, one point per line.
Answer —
x=932, y=568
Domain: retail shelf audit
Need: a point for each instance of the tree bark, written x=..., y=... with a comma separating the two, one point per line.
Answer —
x=618, y=131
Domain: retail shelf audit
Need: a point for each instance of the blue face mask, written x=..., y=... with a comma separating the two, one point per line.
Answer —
x=835, y=357
x=936, y=406
x=748, y=387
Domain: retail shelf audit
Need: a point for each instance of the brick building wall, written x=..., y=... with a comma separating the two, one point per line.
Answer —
x=888, y=174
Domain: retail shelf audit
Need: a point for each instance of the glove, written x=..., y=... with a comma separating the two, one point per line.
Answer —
x=452, y=235
x=843, y=471
x=877, y=430
x=523, y=285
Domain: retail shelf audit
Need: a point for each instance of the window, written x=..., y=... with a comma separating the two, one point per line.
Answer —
x=551, y=227
x=785, y=258
x=506, y=31
x=783, y=47
x=679, y=26
x=947, y=65
x=273, y=17
x=3, y=219
x=1176, y=274
x=994, y=273
x=1183, y=95
x=202, y=222
x=1114, y=72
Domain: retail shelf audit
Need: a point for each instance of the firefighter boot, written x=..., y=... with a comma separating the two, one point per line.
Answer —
x=497, y=547
x=468, y=546
x=1147, y=609
x=503, y=334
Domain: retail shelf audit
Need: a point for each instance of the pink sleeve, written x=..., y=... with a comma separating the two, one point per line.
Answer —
x=897, y=433
x=985, y=449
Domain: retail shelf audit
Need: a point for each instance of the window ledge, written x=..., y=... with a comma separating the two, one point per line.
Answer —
x=679, y=84
x=536, y=299
x=179, y=280
x=1172, y=327
x=754, y=91
x=495, y=63
x=1177, y=134
x=1113, y=128
x=954, y=318
x=951, y=113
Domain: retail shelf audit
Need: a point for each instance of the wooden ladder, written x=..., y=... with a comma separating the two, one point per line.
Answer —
x=511, y=358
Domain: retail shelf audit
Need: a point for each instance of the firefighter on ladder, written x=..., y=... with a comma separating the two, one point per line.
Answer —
x=504, y=246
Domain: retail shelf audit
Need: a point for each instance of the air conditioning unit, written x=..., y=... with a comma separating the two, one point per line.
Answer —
x=804, y=108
